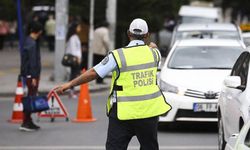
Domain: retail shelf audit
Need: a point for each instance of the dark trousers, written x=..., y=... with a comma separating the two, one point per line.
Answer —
x=85, y=55
x=121, y=132
x=51, y=42
x=84, y=64
x=97, y=60
x=32, y=91
x=74, y=72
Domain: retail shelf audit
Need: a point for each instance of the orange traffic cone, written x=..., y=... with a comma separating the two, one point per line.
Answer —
x=17, y=115
x=84, y=112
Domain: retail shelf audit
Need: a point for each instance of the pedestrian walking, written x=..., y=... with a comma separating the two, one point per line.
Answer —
x=4, y=30
x=100, y=45
x=135, y=100
x=31, y=69
x=50, y=26
x=84, y=38
x=12, y=33
x=73, y=47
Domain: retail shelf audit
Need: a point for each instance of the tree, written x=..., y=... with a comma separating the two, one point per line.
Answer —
x=7, y=9
x=239, y=7
x=82, y=8
x=153, y=11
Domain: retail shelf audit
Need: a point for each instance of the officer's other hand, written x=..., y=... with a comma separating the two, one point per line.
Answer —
x=153, y=45
x=61, y=88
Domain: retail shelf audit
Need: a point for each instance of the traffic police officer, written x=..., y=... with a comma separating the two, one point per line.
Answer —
x=135, y=100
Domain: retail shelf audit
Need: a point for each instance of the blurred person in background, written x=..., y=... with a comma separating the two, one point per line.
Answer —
x=4, y=30
x=31, y=69
x=73, y=46
x=12, y=33
x=84, y=37
x=100, y=45
x=50, y=26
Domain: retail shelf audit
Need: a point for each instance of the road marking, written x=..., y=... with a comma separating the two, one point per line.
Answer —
x=7, y=71
x=46, y=64
x=2, y=73
x=13, y=70
x=102, y=147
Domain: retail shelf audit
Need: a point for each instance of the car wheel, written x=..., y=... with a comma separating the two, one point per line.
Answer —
x=221, y=139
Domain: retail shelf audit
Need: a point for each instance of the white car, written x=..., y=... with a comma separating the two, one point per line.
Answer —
x=194, y=14
x=240, y=141
x=208, y=30
x=234, y=103
x=246, y=38
x=192, y=75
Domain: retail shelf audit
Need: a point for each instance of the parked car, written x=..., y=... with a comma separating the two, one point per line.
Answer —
x=208, y=30
x=246, y=38
x=240, y=141
x=234, y=104
x=192, y=75
x=197, y=14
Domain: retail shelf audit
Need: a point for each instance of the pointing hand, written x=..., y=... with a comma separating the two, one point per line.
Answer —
x=61, y=88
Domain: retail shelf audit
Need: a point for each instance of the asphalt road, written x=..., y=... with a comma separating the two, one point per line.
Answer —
x=62, y=135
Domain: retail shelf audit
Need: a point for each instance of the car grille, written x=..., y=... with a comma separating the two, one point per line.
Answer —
x=192, y=114
x=203, y=95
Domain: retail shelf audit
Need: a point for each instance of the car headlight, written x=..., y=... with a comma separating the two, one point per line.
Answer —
x=168, y=87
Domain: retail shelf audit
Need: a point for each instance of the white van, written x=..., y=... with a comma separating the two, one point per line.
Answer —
x=196, y=14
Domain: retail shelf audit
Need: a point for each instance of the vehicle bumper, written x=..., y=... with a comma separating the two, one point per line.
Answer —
x=182, y=109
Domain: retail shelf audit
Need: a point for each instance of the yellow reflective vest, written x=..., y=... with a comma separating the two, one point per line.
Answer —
x=135, y=84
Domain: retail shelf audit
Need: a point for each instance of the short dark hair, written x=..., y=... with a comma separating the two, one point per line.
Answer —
x=72, y=29
x=136, y=36
x=35, y=27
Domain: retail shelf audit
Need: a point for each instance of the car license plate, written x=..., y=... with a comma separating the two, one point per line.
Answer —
x=205, y=107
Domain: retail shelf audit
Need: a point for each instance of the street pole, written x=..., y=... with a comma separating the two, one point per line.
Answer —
x=20, y=26
x=111, y=18
x=61, y=30
x=91, y=32
x=20, y=34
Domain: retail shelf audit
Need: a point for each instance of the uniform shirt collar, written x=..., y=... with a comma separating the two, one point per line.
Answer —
x=135, y=42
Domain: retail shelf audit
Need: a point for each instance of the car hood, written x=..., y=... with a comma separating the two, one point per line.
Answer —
x=200, y=79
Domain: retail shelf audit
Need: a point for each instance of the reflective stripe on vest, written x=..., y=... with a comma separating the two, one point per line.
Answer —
x=140, y=98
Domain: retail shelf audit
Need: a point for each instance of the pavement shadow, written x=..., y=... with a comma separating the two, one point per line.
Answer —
x=188, y=127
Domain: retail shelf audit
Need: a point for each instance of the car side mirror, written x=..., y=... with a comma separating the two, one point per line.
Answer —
x=232, y=82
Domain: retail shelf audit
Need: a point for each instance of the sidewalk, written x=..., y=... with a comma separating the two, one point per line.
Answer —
x=10, y=68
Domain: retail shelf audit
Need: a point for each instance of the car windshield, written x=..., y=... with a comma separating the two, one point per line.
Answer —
x=202, y=57
x=189, y=19
x=207, y=34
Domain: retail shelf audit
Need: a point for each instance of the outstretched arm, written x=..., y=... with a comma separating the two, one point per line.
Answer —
x=87, y=76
